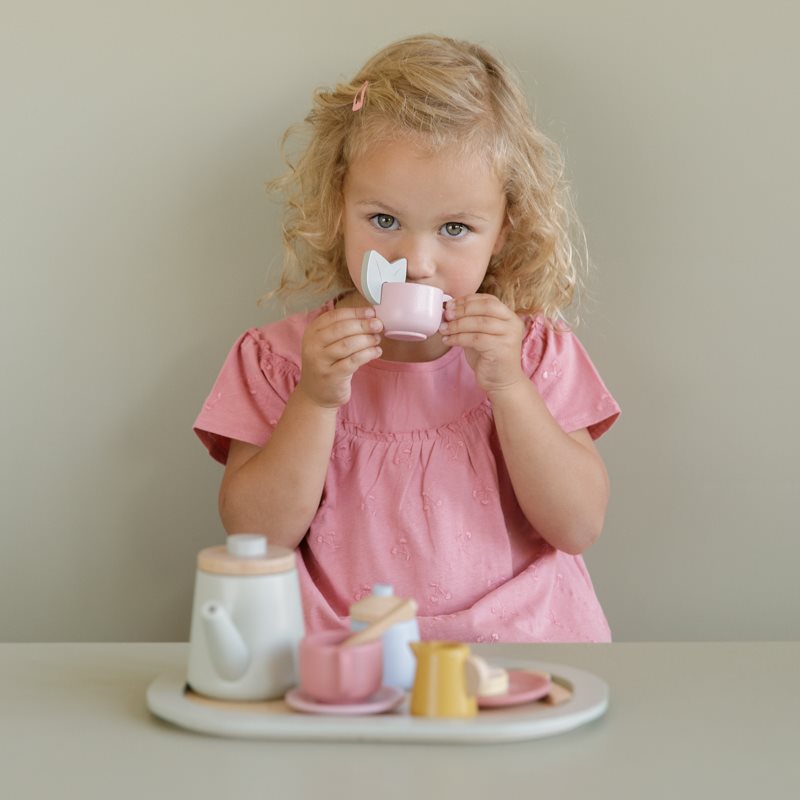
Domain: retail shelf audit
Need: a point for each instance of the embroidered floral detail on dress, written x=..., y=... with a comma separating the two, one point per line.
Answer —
x=483, y=495
x=601, y=403
x=328, y=539
x=464, y=538
x=361, y=592
x=491, y=638
x=342, y=452
x=554, y=371
x=455, y=450
x=368, y=504
x=428, y=503
x=213, y=400
x=402, y=455
x=400, y=549
x=491, y=583
x=439, y=593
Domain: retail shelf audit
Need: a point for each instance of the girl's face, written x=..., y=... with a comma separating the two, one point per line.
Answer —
x=446, y=214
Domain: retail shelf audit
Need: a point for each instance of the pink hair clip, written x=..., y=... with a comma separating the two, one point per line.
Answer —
x=358, y=102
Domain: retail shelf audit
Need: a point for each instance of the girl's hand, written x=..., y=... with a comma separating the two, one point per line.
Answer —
x=334, y=346
x=491, y=335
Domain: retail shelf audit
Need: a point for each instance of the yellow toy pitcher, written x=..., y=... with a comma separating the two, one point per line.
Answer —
x=446, y=682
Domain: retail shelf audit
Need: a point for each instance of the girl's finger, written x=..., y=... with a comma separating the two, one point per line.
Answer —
x=336, y=315
x=477, y=304
x=480, y=342
x=344, y=348
x=493, y=326
x=338, y=329
x=348, y=365
x=348, y=312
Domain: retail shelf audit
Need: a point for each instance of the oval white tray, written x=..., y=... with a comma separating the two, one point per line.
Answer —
x=167, y=698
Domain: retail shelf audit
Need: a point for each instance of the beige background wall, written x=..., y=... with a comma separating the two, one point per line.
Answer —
x=136, y=236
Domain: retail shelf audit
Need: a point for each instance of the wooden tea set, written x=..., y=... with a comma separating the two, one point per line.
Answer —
x=253, y=671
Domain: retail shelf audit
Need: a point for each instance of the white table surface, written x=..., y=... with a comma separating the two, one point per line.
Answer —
x=711, y=720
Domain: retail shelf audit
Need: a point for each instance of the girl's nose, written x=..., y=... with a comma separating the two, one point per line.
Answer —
x=421, y=263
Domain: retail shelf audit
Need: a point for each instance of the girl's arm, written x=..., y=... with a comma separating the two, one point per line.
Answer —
x=559, y=479
x=276, y=489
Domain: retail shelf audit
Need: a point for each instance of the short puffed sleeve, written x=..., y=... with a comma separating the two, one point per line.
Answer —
x=248, y=397
x=567, y=380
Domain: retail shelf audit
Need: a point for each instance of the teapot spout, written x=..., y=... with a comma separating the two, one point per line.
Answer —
x=229, y=653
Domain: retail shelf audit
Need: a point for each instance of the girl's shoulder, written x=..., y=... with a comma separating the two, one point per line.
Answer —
x=543, y=335
x=566, y=377
x=283, y=338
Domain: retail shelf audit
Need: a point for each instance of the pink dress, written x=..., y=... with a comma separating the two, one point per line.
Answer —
x=417, y=493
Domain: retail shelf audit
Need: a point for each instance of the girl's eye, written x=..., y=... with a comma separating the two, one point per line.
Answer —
x=384, y=221
x=455, y=230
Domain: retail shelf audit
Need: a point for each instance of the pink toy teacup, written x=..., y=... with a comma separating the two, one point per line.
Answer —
x=410, y=312
x=333, y=673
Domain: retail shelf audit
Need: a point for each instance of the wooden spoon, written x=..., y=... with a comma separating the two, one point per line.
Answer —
x=403, y=609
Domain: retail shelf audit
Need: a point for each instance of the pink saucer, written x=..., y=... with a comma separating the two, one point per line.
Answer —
x=385, y=699
x=524, y=686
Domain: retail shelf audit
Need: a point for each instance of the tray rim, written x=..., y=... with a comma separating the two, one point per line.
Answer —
x=166, y=699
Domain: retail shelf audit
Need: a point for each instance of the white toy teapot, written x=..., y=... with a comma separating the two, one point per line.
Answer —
x=247, y=620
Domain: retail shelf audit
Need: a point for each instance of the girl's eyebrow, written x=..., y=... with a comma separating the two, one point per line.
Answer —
x=379, y=204
x=459, y=215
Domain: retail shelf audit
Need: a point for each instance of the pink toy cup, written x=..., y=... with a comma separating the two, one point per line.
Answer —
x=410, y=312
x=331, y=673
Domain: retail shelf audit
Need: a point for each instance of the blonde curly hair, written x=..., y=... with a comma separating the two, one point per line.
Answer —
x=445, y=94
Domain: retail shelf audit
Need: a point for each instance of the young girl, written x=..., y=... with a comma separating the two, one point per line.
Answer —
x=460, y=469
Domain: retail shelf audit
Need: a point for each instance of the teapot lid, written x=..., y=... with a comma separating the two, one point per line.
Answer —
x=246, y=554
